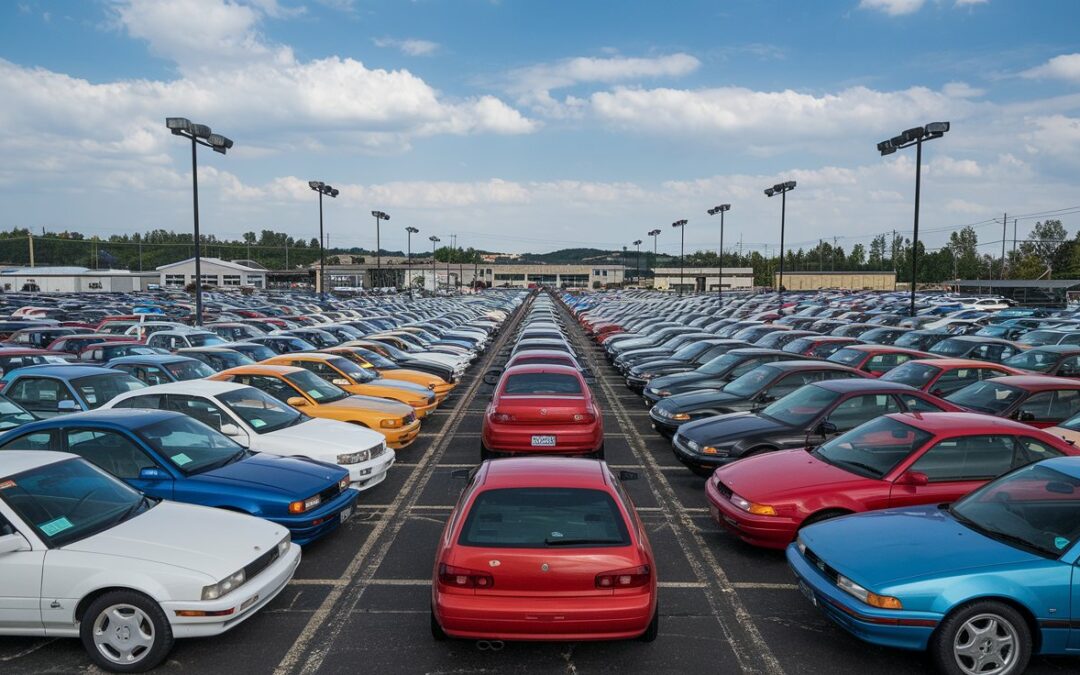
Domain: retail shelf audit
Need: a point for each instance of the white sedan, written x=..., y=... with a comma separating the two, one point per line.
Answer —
x=84, y=555
x=262, y=423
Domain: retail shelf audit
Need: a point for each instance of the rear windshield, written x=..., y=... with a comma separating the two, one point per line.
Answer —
x=542, y=383
x=544, y=518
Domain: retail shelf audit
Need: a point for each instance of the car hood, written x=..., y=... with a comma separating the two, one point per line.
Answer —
x=291, y=476
x=886, y=547
x=361, y=404
x=695, y=400
x=721, y=428
x=777, y=476
x=643, y=353
x=320, y=439
x=676, y=379
x=210, y=541
x=402, y=385
x=657, y=364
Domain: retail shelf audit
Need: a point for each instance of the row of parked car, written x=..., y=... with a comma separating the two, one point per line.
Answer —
x=164, y=490
x=920, y=471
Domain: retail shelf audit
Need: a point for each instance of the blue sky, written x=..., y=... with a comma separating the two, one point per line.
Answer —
x=543, y=124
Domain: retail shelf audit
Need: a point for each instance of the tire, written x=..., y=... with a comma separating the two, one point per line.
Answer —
x=959, y=630
x=437, y=633
x=654, y=627
x=115, y=622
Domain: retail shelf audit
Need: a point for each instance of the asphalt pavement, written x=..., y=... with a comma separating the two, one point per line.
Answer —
x=360, y=600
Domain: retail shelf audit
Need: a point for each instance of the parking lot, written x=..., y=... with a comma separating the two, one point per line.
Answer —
x=360, y=600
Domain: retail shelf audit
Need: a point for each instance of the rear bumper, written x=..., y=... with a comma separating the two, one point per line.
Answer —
x=765, y=531
x=568, y=439
x=605, y=617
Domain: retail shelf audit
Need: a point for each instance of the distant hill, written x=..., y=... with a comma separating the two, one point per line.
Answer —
x=584, y=256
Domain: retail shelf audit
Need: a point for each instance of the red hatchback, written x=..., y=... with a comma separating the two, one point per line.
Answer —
x=898, y=460
x=544, y=548
x=942, y=377
x=876, y=359
x=1039, y=400
x=542, y=409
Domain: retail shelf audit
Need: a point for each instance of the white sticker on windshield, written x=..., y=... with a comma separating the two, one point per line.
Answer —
x=1061, y=542
x=315, y=394
x=258, y=423
x=90, y=398
x=181, y=459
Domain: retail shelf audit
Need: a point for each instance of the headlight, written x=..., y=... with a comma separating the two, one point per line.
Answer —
x=801, y=545
x=390, y=423
x=283, y=545
x=353, y=457
x=230, y=583
x=751, y=507
x=305, y=505
x=662, y=392
x=648, y=376
x=693, y=445
x=682, y=417
x=343, y=484
x=872, y=599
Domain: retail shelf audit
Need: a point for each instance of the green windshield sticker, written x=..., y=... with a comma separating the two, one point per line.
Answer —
x=315, y=394
x=181, y=459
x=55, y=527
x=1061, y=542
x=258, y=423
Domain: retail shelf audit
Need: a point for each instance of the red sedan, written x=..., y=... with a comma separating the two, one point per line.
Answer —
x=1039, y=400
x=942, y=377
x=542, y=409
x=876, y=359
x=544, y=548
x=898, y=460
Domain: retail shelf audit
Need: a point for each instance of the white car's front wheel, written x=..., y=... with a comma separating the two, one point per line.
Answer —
x=126, y=632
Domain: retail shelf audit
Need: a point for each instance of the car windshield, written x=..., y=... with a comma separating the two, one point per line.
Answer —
x=189, y=370
x=260, y=411
x=204, y=339
x=913, y=374
x=377, y=360
x=951, y=347
x=351, y=369
x=874, y=448
x=1035, y=508
x=256, y=352
x=97, y=390
x=70, y=500
x=847, y=356
x=317, y=388
x=752, y=382
x=541, y=384
x=987, y=396
x=801, y=405
x=690, y=351
x=132, y=350
x=544, y=518
x=1040, y=337
x=1036, y=360
x=12, y=415
x=190, y=445
x=721, y=364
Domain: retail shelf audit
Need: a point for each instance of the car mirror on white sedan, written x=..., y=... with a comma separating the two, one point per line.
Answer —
x=11, y=543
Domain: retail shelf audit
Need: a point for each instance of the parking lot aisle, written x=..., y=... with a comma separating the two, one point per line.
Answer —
x=325, y=625
x=736, y=623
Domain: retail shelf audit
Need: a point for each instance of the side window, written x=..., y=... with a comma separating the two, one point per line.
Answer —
x=108, y=450
x=1005, y=351
x=1071, y=339
x=1036, y=408
x=916, y=404
x=39, y=394
x=881, y=363
x=38, y=440
x=967, y=458
x=200, y=408
x=1030, y=450
x=150, y=402
x=790, y=383
x=321, y=369
x=271, y=385
x=859, y=409
x=1051, y=406
x=153, y=375
x=989, y=373
x=1070, y=367
x=955, y=380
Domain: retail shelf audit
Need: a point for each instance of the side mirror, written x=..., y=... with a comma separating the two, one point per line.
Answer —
x=827, y=428
x=1025, y=416
x=297, y=401
x=11, y=543
x=68, y=406
x=628, y=475
x=913, y=479
x=153, y=473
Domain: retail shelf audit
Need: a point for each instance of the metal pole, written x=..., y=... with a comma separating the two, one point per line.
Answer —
x=322, y=253
x=434, y=281
x=408, y=260
x=720, y=279
x=1014, y=236
x=915, y=237
x=682, y=270
x=1004, y=231
x=637, y=265
x=378, y=251
x=198, y=239
x=780, y=286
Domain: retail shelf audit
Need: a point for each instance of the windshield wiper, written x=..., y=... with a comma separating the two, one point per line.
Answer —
x=144, y=501
x=563, y=541
x=1002, y=536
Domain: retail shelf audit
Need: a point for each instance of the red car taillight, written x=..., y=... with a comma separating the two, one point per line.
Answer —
x=631, y=577
x=460, y=577
x=502, y=417
x=584, y=418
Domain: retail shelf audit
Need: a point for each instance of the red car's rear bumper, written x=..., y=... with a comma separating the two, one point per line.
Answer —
x=570, y=439
x=765, y=531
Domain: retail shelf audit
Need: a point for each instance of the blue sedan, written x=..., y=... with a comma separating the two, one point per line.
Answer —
x=169, y=455
x=982, y=584
x=51, y=390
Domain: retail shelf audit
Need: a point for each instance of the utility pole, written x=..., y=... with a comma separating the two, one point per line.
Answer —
x=834, y=254
x=821, y=255
x=286, y=252
x=1014, y=236
x=30, y=238
x=1004, y=231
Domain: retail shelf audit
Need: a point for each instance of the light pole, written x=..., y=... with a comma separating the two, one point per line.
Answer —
x=781, y=189
x=637, y=265
x=681, y=224
x=410, y=231
x=379, y=215
x=434, y=280
x=712, y=212
x=915, y=137
x=654, y=234
x=323, y=189
x=199, y=134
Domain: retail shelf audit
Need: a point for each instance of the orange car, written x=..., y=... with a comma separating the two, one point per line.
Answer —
x=387, y=369
x=346, y=374
x=314, y=396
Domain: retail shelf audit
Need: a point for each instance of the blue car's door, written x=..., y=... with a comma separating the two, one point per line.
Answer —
x=117, y=454
x=1074, y=633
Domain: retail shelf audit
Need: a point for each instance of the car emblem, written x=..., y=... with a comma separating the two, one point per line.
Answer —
x=543, y=411
x=544, y=567
x=494, y=563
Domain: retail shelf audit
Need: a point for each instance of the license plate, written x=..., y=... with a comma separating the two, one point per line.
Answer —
x=543, y=441
x=345, y=513
x=808, y=593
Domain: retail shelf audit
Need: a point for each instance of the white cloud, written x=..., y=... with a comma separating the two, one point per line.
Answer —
x=1063, y=67
x=410, y=47
x=970, y=3
x=961, y=90
x=1057, y=136
x=893, y=7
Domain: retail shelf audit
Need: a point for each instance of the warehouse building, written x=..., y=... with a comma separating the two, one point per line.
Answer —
x=74, y=280
x=216, y=273
x=852, y=281
x=466, y=274
x=702, y=279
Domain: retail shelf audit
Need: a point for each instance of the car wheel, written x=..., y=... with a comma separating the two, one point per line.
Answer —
x=126, y=632
x=654, y=627
x=437, y=633
x=982, y=637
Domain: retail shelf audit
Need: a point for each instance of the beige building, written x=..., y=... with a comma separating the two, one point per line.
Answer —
x=854, y=281
x=215, y=272
x=465, y=274
x=74, y=280
x=702, y=279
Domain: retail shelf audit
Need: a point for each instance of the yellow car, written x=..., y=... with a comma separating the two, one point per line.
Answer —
x=346, y=374
x=314, y=396
x=387, y=369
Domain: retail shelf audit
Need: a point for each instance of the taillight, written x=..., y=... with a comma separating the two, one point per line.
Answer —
x=460, y=577
x=631, y=577
x=584, y=418
x=502, y=417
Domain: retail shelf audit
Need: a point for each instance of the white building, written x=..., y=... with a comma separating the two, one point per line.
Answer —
x=215, y=272
x=74, y=280
x=700, y=279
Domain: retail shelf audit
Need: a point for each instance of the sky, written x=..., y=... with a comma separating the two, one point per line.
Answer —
x=534, y=125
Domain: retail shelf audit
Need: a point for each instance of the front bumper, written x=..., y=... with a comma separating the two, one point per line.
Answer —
x=401, y=437
x=366, y=475
x=308, y=527
x=765, y=531
x=694, y=459
x=665, y=426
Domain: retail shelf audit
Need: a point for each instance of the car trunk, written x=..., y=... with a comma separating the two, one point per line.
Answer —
x=543, y=409
x=519, y=572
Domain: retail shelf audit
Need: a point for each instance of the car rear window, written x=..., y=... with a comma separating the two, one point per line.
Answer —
x=544, y=518
x=542, y=383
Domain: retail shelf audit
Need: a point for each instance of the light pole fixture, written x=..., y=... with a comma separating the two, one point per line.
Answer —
x=681, y=224
x=199, y=134
x=324, y=190
x=914, y=136
x=410, y=231
x=434, y=279
x=781, y=189
x=637, y=265
x=654, y=234
x=721, y=209
x=379, y=216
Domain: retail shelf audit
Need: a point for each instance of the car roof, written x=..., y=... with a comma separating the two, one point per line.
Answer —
x=1054, y=349
x=526, y=368
x=1066, y=465
x=808, y=364
x=126, y=418
x=544, y=472
x=197, y=387
x=541, y=353
x=17, y=461
x=310, y=356
x=63, y=371
x=1038, y=382
x=889, y=349
x=962, y=423
x=849, y=384
x=962, y=363
x=150, y=358
x=261, y=369
x=981, y=338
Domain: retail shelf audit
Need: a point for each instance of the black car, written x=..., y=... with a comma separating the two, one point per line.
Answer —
x=714, y=374
x=805, y=417
x=779, y=339
x=972, y=347
x=631, y=358
x=885, y=335
x=921, y=340
x=686, y=359
x=751, y=391
x=1058, y=360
